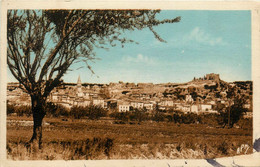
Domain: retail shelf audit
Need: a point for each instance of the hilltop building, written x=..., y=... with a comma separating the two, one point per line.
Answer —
x=212, y=76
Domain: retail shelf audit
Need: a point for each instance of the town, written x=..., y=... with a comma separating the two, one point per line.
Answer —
x=201, y=95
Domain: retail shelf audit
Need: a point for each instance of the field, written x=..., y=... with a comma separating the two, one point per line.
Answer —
x=69, y=139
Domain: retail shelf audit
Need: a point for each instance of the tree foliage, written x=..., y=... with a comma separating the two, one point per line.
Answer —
x=43, y=44
x=236, y=112
x=232, y=113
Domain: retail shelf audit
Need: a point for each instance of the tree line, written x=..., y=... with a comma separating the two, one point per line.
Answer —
x=93, y=112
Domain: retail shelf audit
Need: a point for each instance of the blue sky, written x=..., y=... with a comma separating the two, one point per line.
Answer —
x=202, y=42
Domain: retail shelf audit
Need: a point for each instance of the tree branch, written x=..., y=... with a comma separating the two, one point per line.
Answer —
x=57, y=48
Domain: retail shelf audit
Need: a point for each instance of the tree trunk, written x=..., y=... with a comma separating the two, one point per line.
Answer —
x=38, y=114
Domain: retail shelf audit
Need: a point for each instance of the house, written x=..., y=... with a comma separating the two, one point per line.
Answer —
x=161, y=107
x=205, y=107
x=148, y=106
x=194, y=108
x=86, y=95
x=189, y=99
x=123, y=107
x=136, y=104
x=183, y=107
x=99, y=102
x=167, y=103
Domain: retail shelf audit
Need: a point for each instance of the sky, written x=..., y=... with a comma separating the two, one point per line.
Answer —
x=202, y=42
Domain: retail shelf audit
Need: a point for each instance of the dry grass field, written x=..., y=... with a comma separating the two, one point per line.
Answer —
x=71, y=139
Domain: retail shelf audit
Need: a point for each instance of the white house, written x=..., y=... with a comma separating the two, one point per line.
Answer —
x=183, y=107
x=186, y=108
x=194, y=108
x=99, y=102
x=148, y=106
x=167, y=103
x=206, y=107
x=123, y=107
x=138, y=105
x=189, y=99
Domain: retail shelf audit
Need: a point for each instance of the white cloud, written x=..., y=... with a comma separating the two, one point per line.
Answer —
x=182, y=51
x=138, y=59
x=200, y=36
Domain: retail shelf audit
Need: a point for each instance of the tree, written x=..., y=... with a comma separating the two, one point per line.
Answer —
x=43, y=44
x=234, y=111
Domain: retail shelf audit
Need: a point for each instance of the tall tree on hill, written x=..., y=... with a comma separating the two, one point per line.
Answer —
x=43, y=44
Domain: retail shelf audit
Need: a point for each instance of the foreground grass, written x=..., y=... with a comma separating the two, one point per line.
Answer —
x=102, y=139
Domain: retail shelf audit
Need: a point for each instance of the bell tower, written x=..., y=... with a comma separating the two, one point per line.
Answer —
x=79, y=88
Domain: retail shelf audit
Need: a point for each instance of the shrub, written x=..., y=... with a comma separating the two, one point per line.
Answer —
x=170, y=118
x=95, y=112
x=56, y=110
x=92, y=112
x=10, y=108
x=138, y=115
x=19, y=110
x=223, y=148
x=189, y=118
x=158, y=117
x=210, y=119
x=245, y=123
x=78, y=112
x=180, y=117
x=177, y=117
x=124, y=116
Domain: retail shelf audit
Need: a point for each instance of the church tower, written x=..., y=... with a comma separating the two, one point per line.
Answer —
x=79, y=88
